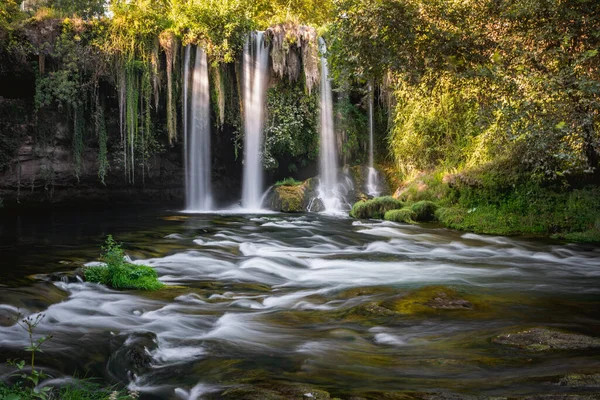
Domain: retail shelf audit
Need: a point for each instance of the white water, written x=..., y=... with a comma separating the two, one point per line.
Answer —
x=328, y=184
x=255, y=75
x=197, y=133
x=372, y=178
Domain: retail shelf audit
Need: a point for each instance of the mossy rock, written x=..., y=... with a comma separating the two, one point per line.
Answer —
x=424, y=210
x=290, y=198
x=542, y=339
x=375, y=208
x=432, y=299
x=405, y=215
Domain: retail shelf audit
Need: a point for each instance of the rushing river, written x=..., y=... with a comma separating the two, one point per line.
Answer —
x=298, y=305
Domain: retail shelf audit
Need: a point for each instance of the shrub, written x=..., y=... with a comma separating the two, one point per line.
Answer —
x=120, y=274
x=288, y=182
x=424, y=210
x=405, y=214
x=375, y=208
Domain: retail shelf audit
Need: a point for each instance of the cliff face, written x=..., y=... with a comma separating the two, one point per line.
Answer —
x=37, y=166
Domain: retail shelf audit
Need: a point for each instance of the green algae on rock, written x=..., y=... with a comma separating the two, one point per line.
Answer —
x=542, y=339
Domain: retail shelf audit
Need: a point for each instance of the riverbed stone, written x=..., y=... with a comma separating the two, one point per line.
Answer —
x=432, y=299
x=131, y=355
x=542, y=339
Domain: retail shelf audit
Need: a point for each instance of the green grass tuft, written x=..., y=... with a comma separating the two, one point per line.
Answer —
x=405, y=215
x=375, y=208
x=119, y=274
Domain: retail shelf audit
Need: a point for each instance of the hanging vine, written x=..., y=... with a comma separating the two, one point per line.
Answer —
x=168, y=42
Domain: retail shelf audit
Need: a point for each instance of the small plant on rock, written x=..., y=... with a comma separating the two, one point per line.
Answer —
x=120, y=274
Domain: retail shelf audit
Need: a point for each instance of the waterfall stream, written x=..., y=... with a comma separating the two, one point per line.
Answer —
x=256, y=57
x=197, y=133
x=372, y=178
x=328, y=186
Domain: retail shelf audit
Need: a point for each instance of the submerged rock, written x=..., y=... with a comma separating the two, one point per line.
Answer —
x=131, y=355
x=431, y=299
x=542, y=339
x=273, y=392
x=581, y=380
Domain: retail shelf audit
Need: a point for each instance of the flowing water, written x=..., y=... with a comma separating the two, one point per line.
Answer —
x=373, y=186
x=197, y=134
x=329, y=190
x=256, y=57
x=295, y=305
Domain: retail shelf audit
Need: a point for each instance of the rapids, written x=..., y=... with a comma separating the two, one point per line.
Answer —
x=269, y=301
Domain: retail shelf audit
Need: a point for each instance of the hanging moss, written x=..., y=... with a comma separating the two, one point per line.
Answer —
x=168, y=42
x=294, y=49
x=78, y=130
x=100, y=125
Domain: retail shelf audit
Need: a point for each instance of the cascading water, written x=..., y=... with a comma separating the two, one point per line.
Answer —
x=328, y=183
x=197, y=133
x=256, y=57
x=373, y=177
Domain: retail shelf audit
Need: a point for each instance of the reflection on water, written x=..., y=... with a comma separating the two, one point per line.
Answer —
x=313, y=300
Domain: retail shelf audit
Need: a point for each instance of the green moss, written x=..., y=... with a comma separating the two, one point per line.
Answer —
x=288, y=182
x=291, y=198
x=119, y=274
x=375, y=208
x=424, y=210
x=405, y=214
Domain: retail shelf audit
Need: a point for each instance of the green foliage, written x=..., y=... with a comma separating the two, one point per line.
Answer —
x=120, y=274
x=424, y=210
x=81, y=390
x=81, y=8
x=375, y=208
x=291, y=135
x=433, y=127
x=405, y=214
x=470, y=93
x=30, y=380
x=352, y=125
x=288, y=182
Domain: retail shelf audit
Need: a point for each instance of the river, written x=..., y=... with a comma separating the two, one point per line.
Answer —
x=298, y=306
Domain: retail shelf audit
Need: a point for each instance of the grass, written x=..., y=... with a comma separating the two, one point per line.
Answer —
x=405, y=215
x=288, y=182
x=82, y=390
x=375, y=208
x=119, y=274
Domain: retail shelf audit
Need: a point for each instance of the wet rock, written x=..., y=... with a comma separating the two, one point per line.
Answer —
x=444, y=301
x=274, y=392
x=541, y=339
x=373, y=309
x=67, y=277
x=131, y=355
x=431, y=299
x=581, y=380
x=316, y=205
x=562, y=397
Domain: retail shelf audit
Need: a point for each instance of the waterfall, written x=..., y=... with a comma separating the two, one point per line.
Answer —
x=197, y=133
x=328, y=182
x=256, y=57
x=373, y=177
